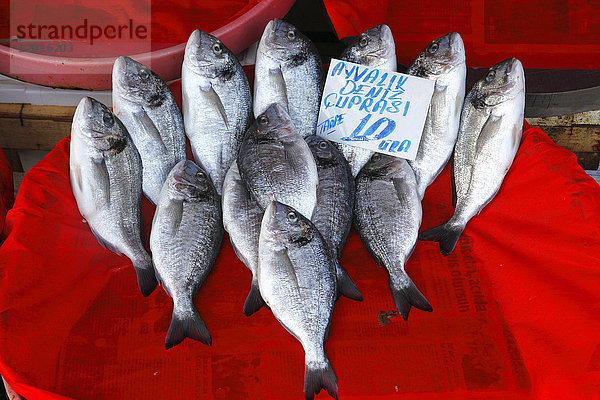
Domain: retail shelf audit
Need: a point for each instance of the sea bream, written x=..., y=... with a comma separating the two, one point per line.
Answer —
x=185, y=240
x=289, y=71
x=375, y=48
x=444, y=62
x=297, y=280
x=106, y=178
x=242, y=216
x=387, y=216
x=147, y=108
x=217, y=104
x=490, y=131
x=277, y=164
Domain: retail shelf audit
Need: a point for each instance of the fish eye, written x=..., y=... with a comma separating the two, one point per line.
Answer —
x=323, y=144
x=363, y=41
x=108, y=119
x=200, y=176
x=144, y=74
x=292, y=216
x=262, y=120
x=376, y=157
x=217, y=48
x=291, y=35
x=433, y=48
x=490, y=76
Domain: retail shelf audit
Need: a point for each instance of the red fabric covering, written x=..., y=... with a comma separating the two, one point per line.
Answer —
x=565, y=34
x=516, y=306
x=6, y=189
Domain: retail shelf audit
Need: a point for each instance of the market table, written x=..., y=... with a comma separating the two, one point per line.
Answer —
x=516, y=306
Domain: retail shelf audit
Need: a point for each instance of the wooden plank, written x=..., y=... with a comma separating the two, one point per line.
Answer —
x=28, y=111
x=577, y=138
x=12, y=156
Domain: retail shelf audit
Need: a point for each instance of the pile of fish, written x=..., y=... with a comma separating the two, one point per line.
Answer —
x=286, y=197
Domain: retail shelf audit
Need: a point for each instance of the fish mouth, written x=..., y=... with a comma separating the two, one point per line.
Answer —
x=269, y=41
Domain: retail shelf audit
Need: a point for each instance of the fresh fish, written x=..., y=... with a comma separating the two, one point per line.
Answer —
x=443, y=61
x=387, y=216
x=375, y=48
x=276, y=163
x=145, y=105
x=490, y=131
x=335, y=201
x=242, y=217
x=185, y=240
x=296, y=276
x=106, y=178
x=217, y=104
x=289, y=71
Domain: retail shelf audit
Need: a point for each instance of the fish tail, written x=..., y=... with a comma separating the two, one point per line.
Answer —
x=254, y=301
x=346, y=286
x=317, y=377
x=190, y=326
x=407, y=296
x=447, y=235
x=146, y=277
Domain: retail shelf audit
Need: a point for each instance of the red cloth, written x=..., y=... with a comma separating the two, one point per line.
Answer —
x=567, y=35
x=6, y=189
x=516, y=306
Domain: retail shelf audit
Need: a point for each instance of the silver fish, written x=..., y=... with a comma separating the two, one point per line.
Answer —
x=490, y=131
x=387, y=216
x=296, y=276
x=276, y=163
x=242, y=217
x=147, y=108
x=106, y=178
x=217, y=104
x=185, y=240
x=374, y=48
x=335, y=202
x=443, y=61
x=289, y=71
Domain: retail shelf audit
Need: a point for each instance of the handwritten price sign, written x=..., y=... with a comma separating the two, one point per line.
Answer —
x=375, y=109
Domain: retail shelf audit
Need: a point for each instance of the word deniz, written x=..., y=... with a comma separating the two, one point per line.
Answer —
x=376, y=109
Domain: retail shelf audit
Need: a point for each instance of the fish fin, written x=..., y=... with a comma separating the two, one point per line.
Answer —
x=346, y=286
x=102, y=178
x=175, y=210
x=104, y=243
x=277, y=82
x=447, y=236
x=146, y=277
x=488, y=131
x=149, y=128
x=453, y=183
x=407, y=297
x=316, y=379
x=190, y=326
x=254, y=301
x=214, y=99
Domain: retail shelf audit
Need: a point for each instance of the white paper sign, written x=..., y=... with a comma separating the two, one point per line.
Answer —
x=375, y=109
